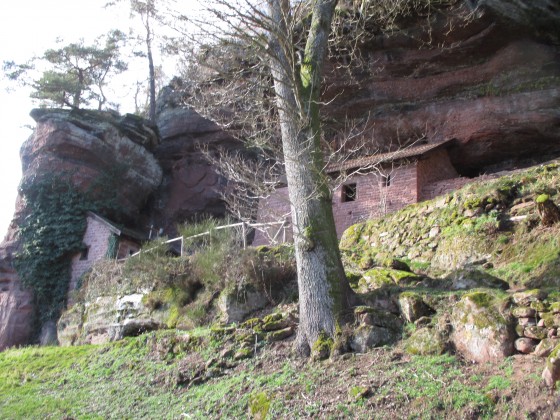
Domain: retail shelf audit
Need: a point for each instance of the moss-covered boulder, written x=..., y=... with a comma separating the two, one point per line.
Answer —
x=366, y=315
x=523, y=312
x=69, y=326
x=545, y=347
x=425, y=342
x=481, y=331
x=380, y=277
x=466, y=279
x=413, y=307
x=366, y=337
x=460, y=249
x=551, y=373
x=235, y=304
x=527, y=296
x=535, y=332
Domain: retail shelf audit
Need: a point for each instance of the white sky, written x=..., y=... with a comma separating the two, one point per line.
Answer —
x=27, y=28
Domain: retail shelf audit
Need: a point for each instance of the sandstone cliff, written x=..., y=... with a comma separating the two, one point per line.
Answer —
x=489, y=80
x=492, y=82
x=82, y=146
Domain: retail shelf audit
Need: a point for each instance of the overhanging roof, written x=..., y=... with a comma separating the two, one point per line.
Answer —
x=376, y=159
x=119, y=231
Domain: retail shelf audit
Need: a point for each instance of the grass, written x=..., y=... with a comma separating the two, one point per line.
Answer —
x=137, y=378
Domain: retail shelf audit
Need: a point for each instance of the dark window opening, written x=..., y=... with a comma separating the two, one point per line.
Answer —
x=349, y=192
x=386, y=180
x=85, y=253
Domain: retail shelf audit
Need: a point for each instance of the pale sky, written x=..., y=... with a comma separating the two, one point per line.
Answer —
x=27, y=28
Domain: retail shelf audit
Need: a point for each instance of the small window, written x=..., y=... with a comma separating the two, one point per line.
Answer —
x=349, y=192
x=385, y=180
x=85, y=253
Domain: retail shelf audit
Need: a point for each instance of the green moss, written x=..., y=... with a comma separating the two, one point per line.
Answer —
x=273, y=317
x=259, y=404
x=172, y=318
x=251, y=323
x=481, y=299
x=425, y=342
x=358, y=392
x=322, y=347
x=543, y=198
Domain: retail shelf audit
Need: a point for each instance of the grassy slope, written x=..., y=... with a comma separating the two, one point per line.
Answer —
x=131, y=379
x=143, y=377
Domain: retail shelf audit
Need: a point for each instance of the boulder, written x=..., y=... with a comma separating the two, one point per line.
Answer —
x=526, y=297
x=425, y=342
x=535, y=332
x=466, y=279
x=69, y=326
x=366, y=337
x=108, y=318
x=481, y=332
x=235, y=305
x=413, y=307
x=379, y=277
x=525, y=345
x=366, y=315
x=551, y=372
x=545, y=347
x=523, y=312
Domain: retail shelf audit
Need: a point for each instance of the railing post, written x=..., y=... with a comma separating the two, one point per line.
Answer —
x=244, y=233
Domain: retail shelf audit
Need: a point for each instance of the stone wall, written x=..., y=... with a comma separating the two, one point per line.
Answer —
x=373, y=197
x=96, y=239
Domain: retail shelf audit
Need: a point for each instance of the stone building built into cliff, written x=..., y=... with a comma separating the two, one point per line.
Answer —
x=102, y=239
x=375, y=185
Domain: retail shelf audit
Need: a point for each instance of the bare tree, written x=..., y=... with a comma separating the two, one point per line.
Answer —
x=284, y=45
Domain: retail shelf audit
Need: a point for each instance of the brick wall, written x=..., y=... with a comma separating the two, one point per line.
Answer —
x=97, y=239
x=373, y=198
x=428, y=177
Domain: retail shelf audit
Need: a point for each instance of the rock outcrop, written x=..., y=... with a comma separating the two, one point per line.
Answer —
x=490, y=82
x=191, y=186
x=85, y=147
x=16, y=303
x=90, y=145
x=481, y=332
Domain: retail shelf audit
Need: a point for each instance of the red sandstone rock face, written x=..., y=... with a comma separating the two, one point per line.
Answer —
x=488, y=83
x=16, y=303
x=191, y=187
x=88, y=145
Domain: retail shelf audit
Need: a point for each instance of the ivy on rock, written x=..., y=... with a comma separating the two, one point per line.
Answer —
x=50, y=232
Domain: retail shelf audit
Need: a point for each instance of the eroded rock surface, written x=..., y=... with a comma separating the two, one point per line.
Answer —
x=490, y=82
x=191, y=186
x=16, y=303
x=90, y=146
x=86, y=147
x=481, y=332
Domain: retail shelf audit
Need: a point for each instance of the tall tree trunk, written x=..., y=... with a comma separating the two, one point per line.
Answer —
x=323, y=289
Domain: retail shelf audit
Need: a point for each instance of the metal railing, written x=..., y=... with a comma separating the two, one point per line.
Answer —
x=244, y=232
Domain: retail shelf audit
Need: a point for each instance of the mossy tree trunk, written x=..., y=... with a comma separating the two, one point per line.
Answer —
x=324, y=293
